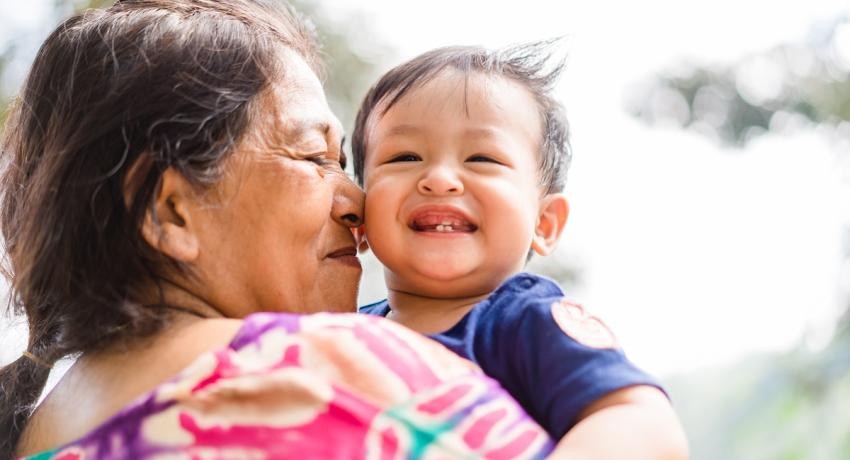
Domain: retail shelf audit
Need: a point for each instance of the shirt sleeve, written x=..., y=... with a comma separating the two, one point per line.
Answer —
x=553, y=357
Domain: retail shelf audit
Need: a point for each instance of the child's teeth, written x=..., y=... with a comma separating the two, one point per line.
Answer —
x=444, y=228
x=440, y=228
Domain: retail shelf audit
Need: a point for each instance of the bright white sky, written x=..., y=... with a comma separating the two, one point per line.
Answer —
x=694, y=255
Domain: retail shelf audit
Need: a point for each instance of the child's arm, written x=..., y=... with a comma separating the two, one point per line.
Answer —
x=566, y=369
x=634, y=423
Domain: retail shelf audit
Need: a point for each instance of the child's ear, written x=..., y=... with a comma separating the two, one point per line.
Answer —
x=360, y=238
x=554, y=210
x=168, y=226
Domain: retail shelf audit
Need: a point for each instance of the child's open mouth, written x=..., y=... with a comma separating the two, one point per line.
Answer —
x=441, y=220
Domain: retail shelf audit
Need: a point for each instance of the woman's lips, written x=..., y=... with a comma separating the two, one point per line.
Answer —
x=346, y=255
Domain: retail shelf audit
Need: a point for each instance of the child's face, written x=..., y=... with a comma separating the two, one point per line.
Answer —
x=452, y=188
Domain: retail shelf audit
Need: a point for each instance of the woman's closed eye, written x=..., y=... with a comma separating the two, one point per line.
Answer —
x=329, y=164
x=320, y=159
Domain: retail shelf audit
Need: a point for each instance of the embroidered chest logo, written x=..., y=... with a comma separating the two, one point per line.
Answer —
x=582, y=327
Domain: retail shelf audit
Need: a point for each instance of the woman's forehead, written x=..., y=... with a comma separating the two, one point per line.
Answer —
x=295, y=108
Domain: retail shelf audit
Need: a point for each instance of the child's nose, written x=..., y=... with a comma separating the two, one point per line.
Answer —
x=440, y=180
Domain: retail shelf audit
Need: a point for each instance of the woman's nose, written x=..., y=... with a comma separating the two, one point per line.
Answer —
x=348, y=203
x=440, y=180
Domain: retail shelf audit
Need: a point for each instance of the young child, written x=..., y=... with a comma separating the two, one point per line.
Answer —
x=463, y=154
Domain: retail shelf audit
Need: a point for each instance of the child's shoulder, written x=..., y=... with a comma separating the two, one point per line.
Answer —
x=530, y=305
x=525, y=285
x=523, y=293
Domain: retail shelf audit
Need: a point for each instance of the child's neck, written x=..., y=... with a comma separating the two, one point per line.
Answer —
x=428, y=315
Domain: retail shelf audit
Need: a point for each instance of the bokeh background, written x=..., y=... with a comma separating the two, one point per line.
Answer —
x=710, y=221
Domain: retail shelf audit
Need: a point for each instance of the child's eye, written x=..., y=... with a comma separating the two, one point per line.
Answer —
x=482, y=159
x=407, y=156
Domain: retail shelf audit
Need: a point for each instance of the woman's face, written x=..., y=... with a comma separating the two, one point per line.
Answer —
x=277, y=236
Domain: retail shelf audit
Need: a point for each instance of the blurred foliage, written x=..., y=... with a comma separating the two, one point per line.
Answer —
x=354, y=56
x=785, y=88
x=63, y=8
x=794, y=406
x=783, y=406
x=4, y=103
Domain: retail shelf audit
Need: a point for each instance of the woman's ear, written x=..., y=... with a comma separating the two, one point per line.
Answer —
x=554, y=210
x=168, y=225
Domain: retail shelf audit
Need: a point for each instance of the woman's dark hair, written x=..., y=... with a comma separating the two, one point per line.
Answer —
x=530, y=65
x=142, y=86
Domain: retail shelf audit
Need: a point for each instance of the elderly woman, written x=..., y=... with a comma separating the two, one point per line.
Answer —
x=172, y=170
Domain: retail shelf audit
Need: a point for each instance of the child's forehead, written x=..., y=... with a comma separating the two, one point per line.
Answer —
x=456, y=83
x=462, y=90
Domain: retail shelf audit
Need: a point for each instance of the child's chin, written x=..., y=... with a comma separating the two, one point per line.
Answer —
x=443, y=271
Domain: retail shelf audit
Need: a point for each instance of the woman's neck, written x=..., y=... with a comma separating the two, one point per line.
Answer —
x=429, y=315
x=181, y=300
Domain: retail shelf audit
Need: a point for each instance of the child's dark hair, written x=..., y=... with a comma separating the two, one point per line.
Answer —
x=530, y=65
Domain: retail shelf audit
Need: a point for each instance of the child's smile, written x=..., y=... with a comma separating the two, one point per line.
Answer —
x=442, y=220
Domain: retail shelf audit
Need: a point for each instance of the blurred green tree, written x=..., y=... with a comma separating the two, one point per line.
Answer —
x=6, y=53
x=787, y=87
x=355, y=56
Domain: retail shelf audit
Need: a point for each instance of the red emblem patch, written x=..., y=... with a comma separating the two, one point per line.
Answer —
x=582, y=327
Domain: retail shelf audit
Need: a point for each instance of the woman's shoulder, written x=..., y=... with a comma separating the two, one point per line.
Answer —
x=297, y=378
x=97, y=386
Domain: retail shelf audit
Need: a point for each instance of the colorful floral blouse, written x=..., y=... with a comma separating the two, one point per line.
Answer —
x=319, y=386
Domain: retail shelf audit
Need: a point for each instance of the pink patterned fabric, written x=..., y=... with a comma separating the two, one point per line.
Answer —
x=320, y=386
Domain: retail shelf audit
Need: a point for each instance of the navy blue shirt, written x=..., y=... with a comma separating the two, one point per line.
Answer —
x=550, y=355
